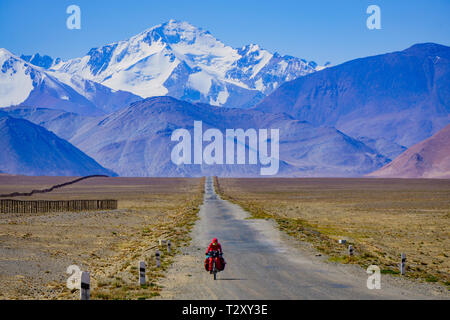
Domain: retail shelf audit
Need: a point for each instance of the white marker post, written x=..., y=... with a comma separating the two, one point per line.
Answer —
x=158, y=261
x=350, y=250
x=85, y=286
x=403, y=264
x=142, y=273
x=168, y=246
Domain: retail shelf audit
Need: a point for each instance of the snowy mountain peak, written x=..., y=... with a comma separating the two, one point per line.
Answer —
x=181, y=30
x=251, y=47
x=23, y=83
x=16, y=79
x=4, y=52
x=178, y=59
x=175, y=31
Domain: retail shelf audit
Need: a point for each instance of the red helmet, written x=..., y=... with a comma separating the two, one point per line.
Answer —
x=215, y=240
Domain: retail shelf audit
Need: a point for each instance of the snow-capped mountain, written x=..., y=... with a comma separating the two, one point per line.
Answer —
x=186, y=62
x=22, y=83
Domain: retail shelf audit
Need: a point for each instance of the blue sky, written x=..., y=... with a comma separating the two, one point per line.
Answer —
x=321, y=30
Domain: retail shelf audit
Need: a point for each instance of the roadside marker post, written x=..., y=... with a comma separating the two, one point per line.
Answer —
x=85, y=287
x=168, y=246
x=403, y=264
x=350, y=250
x=158, y=261
x=142, y=273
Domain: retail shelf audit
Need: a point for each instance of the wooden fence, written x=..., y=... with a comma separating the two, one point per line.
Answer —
x=40, y=206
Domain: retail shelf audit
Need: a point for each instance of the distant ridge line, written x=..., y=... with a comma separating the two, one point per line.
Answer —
x=28, y=194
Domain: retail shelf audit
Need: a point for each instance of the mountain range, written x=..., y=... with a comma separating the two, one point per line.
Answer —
x=402, y=97
x=348, y=120
x=22, y=83
x=136, y=141
x=29, y=149
x=64, y=124
x=185, y=62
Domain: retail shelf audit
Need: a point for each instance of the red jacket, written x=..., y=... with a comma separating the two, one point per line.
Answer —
x=213, y=247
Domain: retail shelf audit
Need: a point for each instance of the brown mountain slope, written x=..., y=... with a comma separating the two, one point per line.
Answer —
x=427, y=159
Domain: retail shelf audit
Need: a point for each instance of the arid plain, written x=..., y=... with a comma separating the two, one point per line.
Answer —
x=381, y=218
x=36, y=249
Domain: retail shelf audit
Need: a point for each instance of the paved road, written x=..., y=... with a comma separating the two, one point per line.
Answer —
x=262, y=263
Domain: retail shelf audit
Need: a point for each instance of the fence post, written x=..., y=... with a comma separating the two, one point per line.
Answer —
x=350, y=250
x=141, y=273
x=403, y=264
x=158, y=258
x=85, y=286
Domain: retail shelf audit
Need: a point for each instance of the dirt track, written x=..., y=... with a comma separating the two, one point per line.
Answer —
x=264, y=263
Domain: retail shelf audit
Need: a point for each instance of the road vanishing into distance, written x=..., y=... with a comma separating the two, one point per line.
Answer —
x=264, y=263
